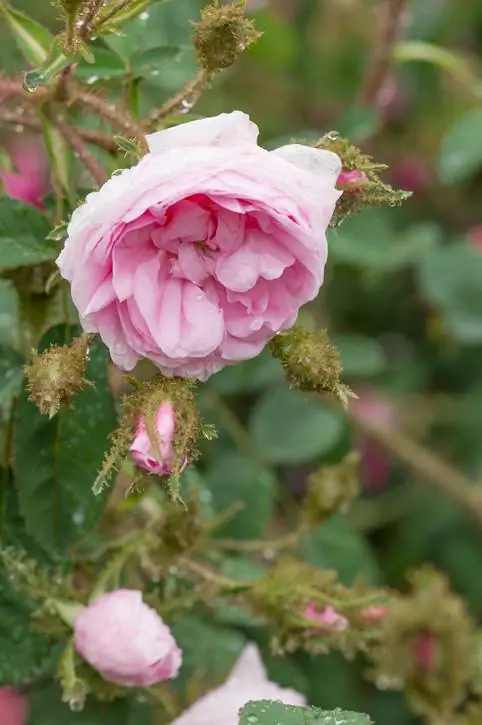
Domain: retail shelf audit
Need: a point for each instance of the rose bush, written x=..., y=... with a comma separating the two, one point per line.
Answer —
x=202, y=252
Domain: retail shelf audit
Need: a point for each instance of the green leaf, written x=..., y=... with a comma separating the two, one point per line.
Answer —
x=106, y=65
x=150, y=60
x=335, y=545
x=287, y=428
x=248, y=377
x=60, y=158
x=361, y=356
x=268, y=712
x=9, y=313
x=33, y=39
x=23, y=235
x=461, y=152
x=47, y=708
x=209, y=652
x=11, y=374
x=24, y=655
x=450, y=280
x=55, y=494
x=358, y=123
x=234, y=478
x=368, y=242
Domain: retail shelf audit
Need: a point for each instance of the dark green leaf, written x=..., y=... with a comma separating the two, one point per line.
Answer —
x=11, y=374
x=268, y=712
x=23, y=235
x=234, y=478
x=55, y=491
x=249, y=376
x=107, y=64
x=450, y=280
x=461, y=152
x=361, y=356
x=209, y=652
x=150, y=60
x=358, y=123
x=9, y=313
x=288, y=428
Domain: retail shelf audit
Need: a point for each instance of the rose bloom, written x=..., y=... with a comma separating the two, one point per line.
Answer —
x=157, y=460
x=29, y=182
x=126, y=641
x=247, y=681
x=13, y=706
x=196, y=257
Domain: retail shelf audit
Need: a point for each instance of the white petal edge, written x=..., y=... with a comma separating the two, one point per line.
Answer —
x=227, y=129
x=249, y=666
x=320, y=162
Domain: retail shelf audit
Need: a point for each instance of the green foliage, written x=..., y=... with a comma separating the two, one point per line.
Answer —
x=266, y=712
x=56, y=494
x=287, y=428
x=11, y=374
x=461, y=151
x=23, y=235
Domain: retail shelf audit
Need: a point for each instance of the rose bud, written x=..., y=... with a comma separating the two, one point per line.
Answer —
x=126, y=641
x=200, y=254
x=154, y=458
x=328, y=618
x=352, y=180
x=14, y=706
x=247, y=681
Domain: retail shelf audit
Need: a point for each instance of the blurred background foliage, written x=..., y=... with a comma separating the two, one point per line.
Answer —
x=402, y=300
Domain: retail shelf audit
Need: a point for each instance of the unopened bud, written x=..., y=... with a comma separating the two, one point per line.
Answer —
x=222, y=34
x=352, y=180
x=331, y=489
x=156, y=456
x=425, y=651
x=310, y=362
x=55, y=377
x=326, y=619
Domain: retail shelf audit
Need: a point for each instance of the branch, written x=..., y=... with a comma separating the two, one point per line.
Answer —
x=78, y=146
x=182, y=101
x=427, y=465
x=392, y=22
x=16, y=118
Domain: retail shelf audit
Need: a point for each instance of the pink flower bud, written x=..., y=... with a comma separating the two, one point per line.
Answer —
x=14, y=707
x=374, y=613
x=375, y=464
x=152, y=458
x=126, y=641
x=352, y=180
x=412, y=174
x=328, y=617
x=425, y=651
x=29, y=182
x=474, y=238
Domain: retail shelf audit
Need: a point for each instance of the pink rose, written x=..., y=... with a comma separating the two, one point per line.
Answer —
x=196, y=257
x=29, y=182
x=425, y=651
x=474, y=238
x=327, y=617
x=146, y=455
x=375, y=463
x=126, y=641
x=247, y=681
x=13, y=707
x=374, y=613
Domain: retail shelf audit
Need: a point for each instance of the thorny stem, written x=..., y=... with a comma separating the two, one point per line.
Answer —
x=208, y=574
x=425, y=464
x=97, y=138
x=189, y=95
x=284, y=542
x=235, y=429
x=114, y=114
x=78, y=146
x=118, y=8
x=392, y=21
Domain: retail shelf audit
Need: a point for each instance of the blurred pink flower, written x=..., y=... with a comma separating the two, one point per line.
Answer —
x=126, y=641
x=154, y=459
x=375, y=463
x=29, y=183
x=247, y=681
x=14, y=706
x=411, y=173
x=474, y=237
x=328, y=617
x=374, y=613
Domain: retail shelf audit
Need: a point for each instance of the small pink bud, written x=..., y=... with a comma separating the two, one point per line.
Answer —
x=425, y=652
x=375, y=464
x=352, y=180
x=126, y=641
x=474, y=238
x=152, y=458
x=411, y=173
x=328, y=617
x=374, y=613
x=29, y=182
x=14, y=706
